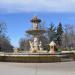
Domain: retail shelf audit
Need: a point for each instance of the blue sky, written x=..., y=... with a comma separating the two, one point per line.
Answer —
x=18, y=13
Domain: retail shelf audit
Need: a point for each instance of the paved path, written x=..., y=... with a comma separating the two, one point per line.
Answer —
x=61, y=68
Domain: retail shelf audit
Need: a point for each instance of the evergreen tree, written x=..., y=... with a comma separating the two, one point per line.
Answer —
x=59, y=29
x=59, y=34
x=51, y=32
x=52, y=28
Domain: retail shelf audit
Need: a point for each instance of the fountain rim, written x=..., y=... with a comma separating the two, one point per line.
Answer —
x=35, y=32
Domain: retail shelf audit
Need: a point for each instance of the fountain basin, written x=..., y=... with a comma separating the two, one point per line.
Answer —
x=35, y=32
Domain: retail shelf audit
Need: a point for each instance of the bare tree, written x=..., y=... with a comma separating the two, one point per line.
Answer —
x=69, y=35
x=3, y=28
x=24, y=44
x=5, y=45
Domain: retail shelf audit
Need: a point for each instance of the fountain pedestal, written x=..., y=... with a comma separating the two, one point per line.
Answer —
x=52, y=47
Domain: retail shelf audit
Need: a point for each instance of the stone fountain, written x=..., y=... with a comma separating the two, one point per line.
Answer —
x=36, y=32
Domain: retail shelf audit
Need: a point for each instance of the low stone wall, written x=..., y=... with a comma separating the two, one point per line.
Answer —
x=33, y=58
x=73, y=56
x=30, y=59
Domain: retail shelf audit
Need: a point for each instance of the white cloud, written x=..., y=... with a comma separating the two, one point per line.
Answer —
x=37, y=6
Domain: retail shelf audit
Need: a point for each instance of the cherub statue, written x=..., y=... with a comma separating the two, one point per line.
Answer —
x=31, y=45
x=40, y=46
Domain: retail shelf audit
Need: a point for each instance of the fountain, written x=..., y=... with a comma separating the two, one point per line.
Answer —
x=36, y=32
x=37, y=53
